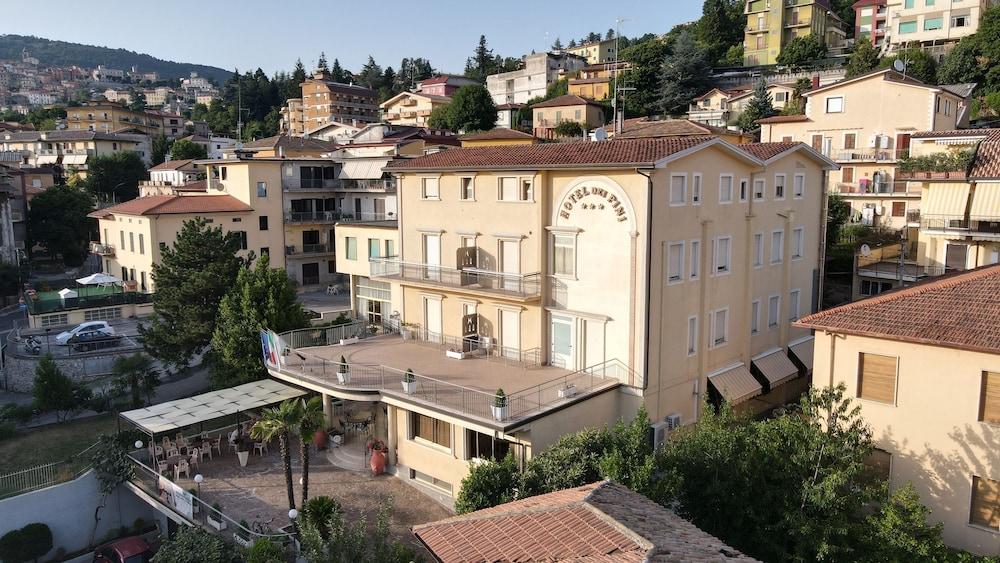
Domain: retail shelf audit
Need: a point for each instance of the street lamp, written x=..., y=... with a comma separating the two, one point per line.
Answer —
x=293, y=514
x=138, y=444
x=198, y=479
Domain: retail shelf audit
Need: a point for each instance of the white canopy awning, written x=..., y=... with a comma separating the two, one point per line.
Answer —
x=367, y=169
x=76, y=159
x=100, y=278
x=169, y=416
x=67, y=293
x=47, y=159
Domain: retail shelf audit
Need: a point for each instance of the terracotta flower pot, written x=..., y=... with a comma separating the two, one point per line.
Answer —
x=377, y=462
x=319, y=439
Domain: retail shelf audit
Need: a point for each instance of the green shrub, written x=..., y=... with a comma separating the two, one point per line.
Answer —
x=7, y=431
x=488, y=483
x=941, y=162
x=27, y=544
x=265, y=551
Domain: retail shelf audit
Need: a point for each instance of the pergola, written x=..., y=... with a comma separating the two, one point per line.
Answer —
x=183, y=413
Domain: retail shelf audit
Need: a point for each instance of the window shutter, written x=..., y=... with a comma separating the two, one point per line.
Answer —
x=989, y=399
x=985, y=507
x=877, y=378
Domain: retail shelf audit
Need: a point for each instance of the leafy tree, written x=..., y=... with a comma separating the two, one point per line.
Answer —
x=900, y=532
x=797, y=104
x=191, y=544
x=161, y=146
x=338, y=74
x=759, y=106
x=963, y=64
x=191, y=279
x=57, y=220
x=733, y=56
x=278, y=423
x=352, y=540
x=260, y=298
x=29, y=543
x=684, y=75
x=116, y=176
x=265, y=551
x=138, y=102
x=471, y=109
x=311, y=419
x=134, y=375
x=54, y=391
x=184, y=149
x=719, y=29
x=646, y=59
x=610, y=34
x=919, y=64
x=317, y=512
x=488, y=483
x=370, y=75
x=837, y=213
x=864, y=59
x=802, y=51
x=572, y=43
x=570, y=129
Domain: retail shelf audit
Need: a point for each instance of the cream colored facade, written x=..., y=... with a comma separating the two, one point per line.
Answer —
x=108, y=117
x=546, y=119
x=69, y=149
x=934, y=25
x=932, y=429
x=357, y=244
x=292, y=119
x=324, y=100
x=596, y=52
x=410, y=108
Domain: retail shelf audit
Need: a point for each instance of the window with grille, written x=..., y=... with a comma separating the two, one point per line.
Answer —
x=103, y=314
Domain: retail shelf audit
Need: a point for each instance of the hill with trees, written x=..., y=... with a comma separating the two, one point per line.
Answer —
x=64, y=53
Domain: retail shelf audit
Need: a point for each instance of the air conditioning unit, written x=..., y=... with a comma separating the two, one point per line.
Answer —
x=662, y=429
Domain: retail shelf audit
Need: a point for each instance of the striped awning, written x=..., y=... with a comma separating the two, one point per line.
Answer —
x=804, y=352
x=46, y=159
x=736, y=384
x=776, y=367
x=946, y=199
x=75, y=159
x=986, y=202
x=368, y=169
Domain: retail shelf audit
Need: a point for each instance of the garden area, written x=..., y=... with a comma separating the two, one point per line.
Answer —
x=51, y=443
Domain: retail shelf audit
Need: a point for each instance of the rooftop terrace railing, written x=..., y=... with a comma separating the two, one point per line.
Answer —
x=42, y=306
x=527, y=286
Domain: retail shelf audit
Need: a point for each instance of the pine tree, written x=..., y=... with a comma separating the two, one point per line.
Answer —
x=610, y=34
x=684, y=75
x=481, y=63
x=864, y=59
x=321, y=63
x=572, y=43
x=759, y=107
x=557, y=45
x=338, y=74
x=371, y=74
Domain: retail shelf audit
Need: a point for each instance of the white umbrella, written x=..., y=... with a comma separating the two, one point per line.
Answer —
x=100, y=278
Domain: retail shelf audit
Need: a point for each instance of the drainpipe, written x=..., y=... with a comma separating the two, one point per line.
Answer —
x=649, y=285
x=786, y=274
x=823, y=215
x=704, y=323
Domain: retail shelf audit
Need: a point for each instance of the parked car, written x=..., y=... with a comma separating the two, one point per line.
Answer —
x=92, y=339
x=126, y=550
x=63, y=337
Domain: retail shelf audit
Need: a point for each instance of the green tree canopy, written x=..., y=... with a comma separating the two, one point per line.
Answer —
x=191, y=279
x=759, y=106
x=161, y=145
x=802, y=51
x=471, y=109
x=29, y=543
x=481, y=63
x=919, y=64
x=135, y=376
x=191, y=544
x=184, y=149
x=720, y=28
x=349, y=539
x=57, y=220
x=54, y=391
x=260, y=298
x=646, y=58
x=864, y=59
x=116, y=176
x=684, y=75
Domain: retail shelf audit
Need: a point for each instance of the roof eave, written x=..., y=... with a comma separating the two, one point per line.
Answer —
x=898, y=338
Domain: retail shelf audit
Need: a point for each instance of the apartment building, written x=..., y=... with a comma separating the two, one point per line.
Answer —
x=871, y=18
x=443, y=85
x=595, y=52
x=924, y=364
x=411, y=108
x=721, y=108
x=540, y=71
x=595, y=81
x=70, y=149
x=772, y=24
x=109, y=117
x=584, y=279
x=292, y=118
x=865, y=124
x=13, y=214
x=933, y=25
x=177, y=172
x=547, y=115
x=324, y=100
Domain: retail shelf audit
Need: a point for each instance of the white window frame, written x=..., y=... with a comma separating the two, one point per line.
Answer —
x=784, y=186
x=679, y=247
x=723, y=199
x=682, y=200
x=424, y=192
x=799, y=187
x=562, y=275
x=794, y=304
x=758, y=250
x=755, y=317
x=696, y=189
x=715, y=342
x=694, y=271
x=518, y=196
x=716, y=271
x=826, y=104
x=780, y=256
x=798, y=242
x=692, y=339
x=461, y=188
x=762, y=193
x=777, y=313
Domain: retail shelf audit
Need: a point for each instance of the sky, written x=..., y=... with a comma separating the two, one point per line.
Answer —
x=272, y=35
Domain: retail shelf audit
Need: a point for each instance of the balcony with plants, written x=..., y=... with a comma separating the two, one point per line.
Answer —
x=940, y=166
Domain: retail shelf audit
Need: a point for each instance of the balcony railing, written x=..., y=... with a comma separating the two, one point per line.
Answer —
x=876, y=188
x=870, y=155
x=38, y=307
x=102, y=249
x=913, y=216
x=989, y=226
x=310, y=183
x=526, y=286
x=309, y=249
x=312, y=217
x=380, y=185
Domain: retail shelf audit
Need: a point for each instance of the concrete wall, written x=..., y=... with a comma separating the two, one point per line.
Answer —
x=19, y=370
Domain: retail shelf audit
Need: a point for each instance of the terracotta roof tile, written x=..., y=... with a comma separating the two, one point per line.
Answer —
x=600, y=522
x=984, y=133
x=174, y=164
x=565, y=100
x=498, y=133
x=645, y=128
x=175, y=204
x=958, y=311
x=288, y=142
x=784, y=119
x=765, y=151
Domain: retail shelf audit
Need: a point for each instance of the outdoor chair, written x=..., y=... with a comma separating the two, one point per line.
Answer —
x=204, y=450
x=215, y=443
x=182, y=467
x=157, y=452
x=260, y=447
x=172, y=452
x=162, y=467
x=195, y=457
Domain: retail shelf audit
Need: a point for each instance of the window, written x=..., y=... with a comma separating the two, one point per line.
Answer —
x=799, y=188
x=131, y=242
x=777, y=246
x=508, y=189
x=720, y=327
x=755, y=317
x=261, y=189
x=758, y=250
x=696, y=189
x=793, y=304
x=485, y=446
x=908, y=27
x=989, y=398
x=984, y=510
x=675, y=262
x=781, y=96
x=222, y=172
x=725, y=189
x=430, y=429
x=877, y=378
x=779, y=186
x=374, y=247
x=237, y=219
x=850, y=141
x=468, y=189
x=564, y=255
x=933, y=23
x=678, y=189
x=798, y=240
x=695, y=269
x=773, y=310
x=390, y=248
x=960, y=21
x=262, y=222
x=243, y=239
x=55, y=320
x=722, y=254
x=103, y=314
x=429, y=188
x=351, y=244
x=758, y=190
x=835, y=104
x=692, y=336
x=743, y=189
x=878, y=464
x=874, y=287
x=142, y=244
x=527, y=190
x=267, y=250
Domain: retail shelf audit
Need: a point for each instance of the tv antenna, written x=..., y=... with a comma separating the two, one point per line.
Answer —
x=619, y=89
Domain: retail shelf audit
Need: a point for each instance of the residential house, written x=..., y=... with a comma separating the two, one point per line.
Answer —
x=411, y=108
x=547, y=115
x=292, y=118
x=334, y=131
x=595, y=81
x=934, y=26
x=770, y=26
x=284, y=146
x=596, y=277
x=68, y=148
x=871, y=19
x=596, y=52
x=214, y=146
x=712, y=107
x=923, y=363
x=109, y=117
x=443, y=85
x=13, y=214
x=781, y=96
x=507, y=116
x=646, y=128
x=540, y=71
x=171, y=124
x=324, y=100
x=498, y=137
x=177, y=172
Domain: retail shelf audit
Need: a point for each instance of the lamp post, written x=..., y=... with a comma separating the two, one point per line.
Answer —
x=292, y=515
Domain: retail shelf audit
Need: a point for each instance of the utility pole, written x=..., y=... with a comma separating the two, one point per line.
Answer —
x=619, y=89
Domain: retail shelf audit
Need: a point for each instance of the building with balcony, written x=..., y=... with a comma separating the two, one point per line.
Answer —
x=870, y=22
x=772, y=24
x=13, y=214
x=865, y=125
x=292, y=118
x=411, y=108
x=109, y=117
x=540, y=71
x=177, y=172
x=595, y=81
x=712, y=107
x=443, y=85
x=934, y=26
x=214, y=146
x=71, y=150
x=547, y=115
x=924, y=365
x=584, y=279
x=324, y=100
x=595, y=52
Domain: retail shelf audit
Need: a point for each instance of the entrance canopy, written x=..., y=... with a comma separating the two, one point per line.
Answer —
x=169, y=416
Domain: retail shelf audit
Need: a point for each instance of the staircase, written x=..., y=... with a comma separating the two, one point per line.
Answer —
x=351, y=457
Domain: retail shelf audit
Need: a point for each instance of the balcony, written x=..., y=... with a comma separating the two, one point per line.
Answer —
x=877, y=189
x=310, y=249
x=102, y=249
x=309, y=184
x=870, y=155
x=798, y=23
x=312, y=217
x=984, y=228
x=520, y=286
x=380, y=185
x=50, y=302
x=913, y=216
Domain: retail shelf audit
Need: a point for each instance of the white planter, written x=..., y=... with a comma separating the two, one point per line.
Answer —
x=243, y=457
x=346, y=341
x=344, y=376
x=568, y=391
x=409, y=387
x=499, y=413
x=219, y=524
x=455, y=355
x=245, y=542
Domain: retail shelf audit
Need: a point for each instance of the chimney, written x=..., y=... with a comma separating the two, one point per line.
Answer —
x=815, y=81
x=281, y=151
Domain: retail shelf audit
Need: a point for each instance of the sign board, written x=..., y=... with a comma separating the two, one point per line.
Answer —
x=271, y=348
x=176, y=497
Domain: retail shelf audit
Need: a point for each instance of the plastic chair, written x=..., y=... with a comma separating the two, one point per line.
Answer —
x=158, y=451
x=172, y=452
x=216, y=443
x=260, y=447
x=162, y=467
x=195, y=457
x=182, y=467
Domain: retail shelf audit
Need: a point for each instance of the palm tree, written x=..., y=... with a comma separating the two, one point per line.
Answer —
x=311, y=419
x=279, y=422
x=135, y=376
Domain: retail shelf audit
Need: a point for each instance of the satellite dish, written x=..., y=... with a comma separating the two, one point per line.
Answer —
x=866, y=250
x=898, y=65
x=600, y=134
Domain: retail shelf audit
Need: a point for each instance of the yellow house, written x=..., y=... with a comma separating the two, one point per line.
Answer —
x=108, y=117
x=924, y=364
x=69, y=149
x=357, y=245
x=498, y=137
x=547, y=115
x=595, y=81
x=772, y=25
x=596, y=52
x=411, y=108
x=935, y=27
x=584, y=280
x=712, y=107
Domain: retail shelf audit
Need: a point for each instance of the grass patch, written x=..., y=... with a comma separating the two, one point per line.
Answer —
x=52, y=443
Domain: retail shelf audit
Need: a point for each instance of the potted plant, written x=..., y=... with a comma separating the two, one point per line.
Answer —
x=455, y=354
x=243, y=450
x=499, y=406
x=377, y=460
x=214, y=517
x=343, y=371
x=242, y=535
x=408, y=330
x=409, y=382
x=567, y=391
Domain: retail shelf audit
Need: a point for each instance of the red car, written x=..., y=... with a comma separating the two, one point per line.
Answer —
x=125, y=550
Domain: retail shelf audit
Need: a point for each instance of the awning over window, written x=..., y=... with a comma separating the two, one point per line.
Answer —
x=776, y=367
x=804, y=352
x=368, y=169
x=736, y=384
x=986, y=203
x=75, y=159
x=946, y=199
x=47, y=159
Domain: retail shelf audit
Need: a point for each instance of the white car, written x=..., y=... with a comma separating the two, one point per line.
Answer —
x=63, y=337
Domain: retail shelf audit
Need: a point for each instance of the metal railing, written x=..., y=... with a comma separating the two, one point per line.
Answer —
x=45, y=475
x=870, y=155
x=380, y=185
x=102, y=249
x=327, y=336
x=961, y=223
x=480, y=346
x=38, y=307
x=335, y=217
x=528, y=286
x=309, y=249
x=310, y=183
x=877, y=188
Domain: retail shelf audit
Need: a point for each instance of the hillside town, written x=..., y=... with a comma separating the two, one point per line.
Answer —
x=724, y=291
